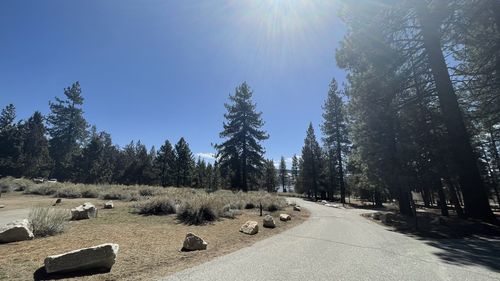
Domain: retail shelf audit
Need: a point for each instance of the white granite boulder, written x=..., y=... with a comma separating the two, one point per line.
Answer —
x=285, y=217
x=269, y=222
x=101, y=257
x=85, y=211
x=109, y=205
x=193, y=242
x=250, y=227
x=16, y=231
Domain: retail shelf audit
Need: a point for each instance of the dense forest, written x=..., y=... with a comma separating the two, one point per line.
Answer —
x=419, y=113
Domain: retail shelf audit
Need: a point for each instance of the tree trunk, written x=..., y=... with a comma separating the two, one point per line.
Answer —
x=475, y=197
x=341, y=171
x=404, y=202
x=454, y=198
x=377, y=199
x=442, y=199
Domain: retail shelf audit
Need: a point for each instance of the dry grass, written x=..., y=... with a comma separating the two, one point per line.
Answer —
x=149, y=245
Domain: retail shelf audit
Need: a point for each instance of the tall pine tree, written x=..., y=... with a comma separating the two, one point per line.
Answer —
x=184, y=163
x=335, y=138
x=68, y=131
x=241, y=154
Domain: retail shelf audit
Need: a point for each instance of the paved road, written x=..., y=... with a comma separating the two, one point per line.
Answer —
x=339, y=244
x=7, y=216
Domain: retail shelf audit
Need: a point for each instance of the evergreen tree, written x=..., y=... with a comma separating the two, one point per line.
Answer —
x=10, y=142
x=184, y=163
x=36, y=161
x=269, y=176
x=295, y=170
x=283, y=173
x=165, y=164
x=200, y=179
x=241, y=154
x=68, y=131
x=96, y=162
x=310, y=169
x=334, y=129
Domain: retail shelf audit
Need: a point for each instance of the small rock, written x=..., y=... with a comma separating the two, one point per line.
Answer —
x=376, y=216
x=108, y=205
x=269, y=222
x=85, y=211
x=98, y=257
x=16, y=231
x=296, y=208
x=193, y=243
x=285, y=217
x=2, y=206
x=58, y=201
x=324, y=202
x=250, y=227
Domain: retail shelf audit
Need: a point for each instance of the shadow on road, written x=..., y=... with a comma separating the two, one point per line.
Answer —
x=469, y=251
x=458, y=242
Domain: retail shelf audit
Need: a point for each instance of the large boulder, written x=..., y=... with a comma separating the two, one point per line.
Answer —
x=101, y=257
x=269, y=222
x=85, y=211
x=250, y=227
x=108, y=205
x=285, y=217
x=193, y=243
x=16, y=231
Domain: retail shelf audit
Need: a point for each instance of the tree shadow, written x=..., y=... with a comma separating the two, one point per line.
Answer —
x=41, y=274
x=479, y=251
x=458, y=242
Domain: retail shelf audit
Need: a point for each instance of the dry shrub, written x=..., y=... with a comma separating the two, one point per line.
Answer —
x=9, y=184
x=46, y=188
x=198, y=210
x=156, y=206
x=69, y=191
x=46, y=221
x=89, y=191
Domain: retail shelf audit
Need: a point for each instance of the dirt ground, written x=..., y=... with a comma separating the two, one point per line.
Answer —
x=149, y=245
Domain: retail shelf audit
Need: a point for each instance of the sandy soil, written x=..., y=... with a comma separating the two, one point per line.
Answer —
x=149, y=245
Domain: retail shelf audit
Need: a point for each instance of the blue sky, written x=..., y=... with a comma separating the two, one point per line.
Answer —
x=156, y=70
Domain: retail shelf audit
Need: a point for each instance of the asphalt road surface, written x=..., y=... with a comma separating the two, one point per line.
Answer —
x=339, y=244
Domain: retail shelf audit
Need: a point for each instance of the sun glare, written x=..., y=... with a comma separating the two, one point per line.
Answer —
x=281, y=29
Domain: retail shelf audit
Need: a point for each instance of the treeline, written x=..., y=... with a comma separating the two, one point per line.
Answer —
x=61, y=145
x=423, y=105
